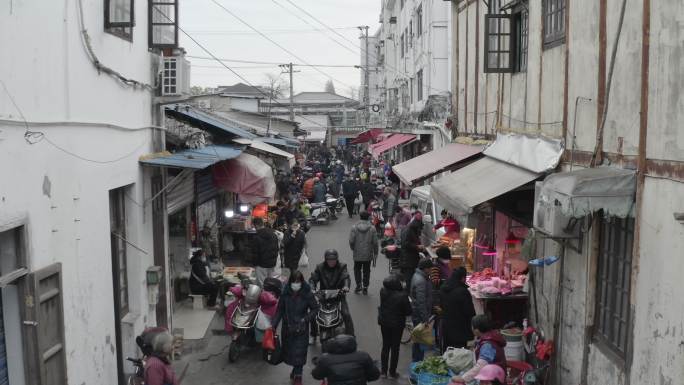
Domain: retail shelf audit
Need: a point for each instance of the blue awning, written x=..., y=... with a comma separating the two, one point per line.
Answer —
x=205, y=121
x=194, y=159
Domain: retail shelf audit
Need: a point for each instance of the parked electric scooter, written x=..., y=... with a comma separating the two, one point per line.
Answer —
x=243, y=320
x=329, y=319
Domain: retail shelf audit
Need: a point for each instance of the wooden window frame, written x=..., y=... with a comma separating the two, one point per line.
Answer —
x=553, y=16
x=123, y=30
x=521, y=34
x=498, y=21
x=613, y=277
x=152, y=4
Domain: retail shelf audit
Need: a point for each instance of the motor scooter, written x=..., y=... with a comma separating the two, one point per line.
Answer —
x=243, y=320
x=320, y=213
x=329, y=318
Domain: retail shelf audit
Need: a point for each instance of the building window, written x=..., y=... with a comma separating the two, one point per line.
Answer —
x=163, y=24
x=119, y=18
x=419, y=81
x=402, y=45
x=554, y=22
x=506, y=37
x=117, y=222
x=411, y=91
x=612, y=323
x=419, y=20
x=402, y=4
x=521, y=23
x=410, y=33
x=408, y=39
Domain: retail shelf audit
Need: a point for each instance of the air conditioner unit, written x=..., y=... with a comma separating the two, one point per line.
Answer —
x=175, y=76
x=549, y=219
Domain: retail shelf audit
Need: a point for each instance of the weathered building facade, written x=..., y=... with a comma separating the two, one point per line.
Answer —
x=605, y=78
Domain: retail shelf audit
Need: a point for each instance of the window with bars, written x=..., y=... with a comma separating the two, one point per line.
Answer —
x=554, y=22
x=117, y=222
x=119, y=18
x=612, y=322
x=163, y=23
x=419, y=84
x=419, y=20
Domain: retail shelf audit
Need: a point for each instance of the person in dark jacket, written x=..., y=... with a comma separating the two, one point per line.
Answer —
x=293, y=245
x=333, y=275
x=421, y=296
x=367, y=192
x=199, y=281
x=319, y=191
x=265, y=249
x=342, y=364
x=350, y=189
x=411, y=248
x=443, y=261
x=489, y=349
x=394, y=308
x=457, y=311
x=297, y=307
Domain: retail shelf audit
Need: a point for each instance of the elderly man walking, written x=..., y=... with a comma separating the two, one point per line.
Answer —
x=363, y=240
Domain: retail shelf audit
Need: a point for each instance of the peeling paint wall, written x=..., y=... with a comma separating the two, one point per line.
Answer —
x=65, y=199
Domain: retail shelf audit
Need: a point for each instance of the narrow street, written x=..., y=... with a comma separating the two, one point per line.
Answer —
x=207, y=360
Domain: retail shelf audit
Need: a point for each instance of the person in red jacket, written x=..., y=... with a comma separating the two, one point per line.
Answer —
x=158, y=369
x=308, y=187
x=489, y=349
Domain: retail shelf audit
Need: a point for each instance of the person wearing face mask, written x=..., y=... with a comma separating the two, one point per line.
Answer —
x=199, y=281
x=296, y=309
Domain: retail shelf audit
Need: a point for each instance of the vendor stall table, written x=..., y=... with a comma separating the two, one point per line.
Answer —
x=501, y=309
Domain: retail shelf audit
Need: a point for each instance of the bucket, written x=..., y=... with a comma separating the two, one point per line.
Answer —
x=514, y=334
x=514, y=350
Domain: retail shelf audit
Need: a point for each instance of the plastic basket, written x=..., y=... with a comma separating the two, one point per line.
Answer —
x=427, y=378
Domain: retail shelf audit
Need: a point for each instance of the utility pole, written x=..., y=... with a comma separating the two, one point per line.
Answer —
x=288, y=68
x=366, y=68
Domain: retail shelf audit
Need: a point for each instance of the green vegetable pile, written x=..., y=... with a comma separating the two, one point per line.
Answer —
x=434, y=365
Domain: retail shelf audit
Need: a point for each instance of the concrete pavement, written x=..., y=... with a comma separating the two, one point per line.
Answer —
x=207, y=360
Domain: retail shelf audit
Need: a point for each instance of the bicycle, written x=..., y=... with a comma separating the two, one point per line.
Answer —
x=138, y=376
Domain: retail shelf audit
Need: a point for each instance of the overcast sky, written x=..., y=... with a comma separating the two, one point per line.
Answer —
x=227, y=38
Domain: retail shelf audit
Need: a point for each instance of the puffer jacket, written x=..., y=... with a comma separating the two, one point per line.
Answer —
x=394, y=303
x=421, y=294
x=319, y=192
x=363, y=240
x=265, y=248
x=410, y=240
x=308, y=187
x=342, y=364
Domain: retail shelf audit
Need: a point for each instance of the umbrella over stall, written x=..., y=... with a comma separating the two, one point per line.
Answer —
x=248, y=176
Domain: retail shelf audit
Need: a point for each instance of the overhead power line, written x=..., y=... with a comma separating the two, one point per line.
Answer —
x=274, y=42
x=274, y=63
x=279, y=31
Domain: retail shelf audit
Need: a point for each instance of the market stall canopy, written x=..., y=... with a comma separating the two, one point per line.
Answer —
x=478, y=182
x=424, y=166
x=292, y=143
x=389, y=143
x=246, y=175
x=192, y=158
x=367, y=136
x=205, y=121
x=315, y=136
x=264, y=147
x=534, y=153
x=582, y=192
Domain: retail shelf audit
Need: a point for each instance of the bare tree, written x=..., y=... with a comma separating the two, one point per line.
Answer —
x=330, y=86
x=275, y=86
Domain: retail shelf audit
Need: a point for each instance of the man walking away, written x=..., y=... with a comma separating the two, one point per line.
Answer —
x=389, y=203
x=342, y=364
x=319, y=191
x=294, y=242
x=350, y=190
x=421, y=296
x=363, y=240
x=265, y=248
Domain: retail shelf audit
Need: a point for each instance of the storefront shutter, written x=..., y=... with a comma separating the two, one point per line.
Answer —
x=205, y=186
x=181, y=193
x=45, y=321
